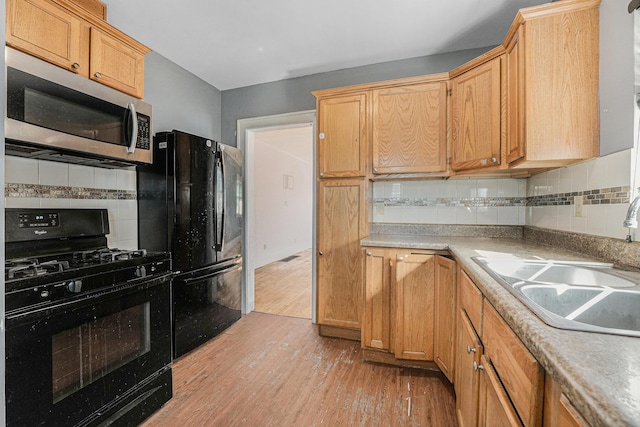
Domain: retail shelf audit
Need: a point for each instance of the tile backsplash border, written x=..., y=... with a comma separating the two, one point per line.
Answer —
x=65, y=192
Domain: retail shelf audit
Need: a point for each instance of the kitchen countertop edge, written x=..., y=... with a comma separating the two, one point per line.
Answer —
x=569, y=357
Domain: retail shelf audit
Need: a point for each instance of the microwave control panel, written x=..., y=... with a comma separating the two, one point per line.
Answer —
x=144, y=132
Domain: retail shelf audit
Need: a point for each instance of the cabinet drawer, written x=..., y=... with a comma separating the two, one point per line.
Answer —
x=519, y=372
x=470, y=300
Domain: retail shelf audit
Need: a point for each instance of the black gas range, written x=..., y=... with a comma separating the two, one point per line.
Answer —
x=88, y=326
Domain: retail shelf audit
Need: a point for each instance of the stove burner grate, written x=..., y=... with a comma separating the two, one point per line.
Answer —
x=108, y=255
x=30, y=267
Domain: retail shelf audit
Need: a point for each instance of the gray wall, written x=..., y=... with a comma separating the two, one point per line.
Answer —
x=291, y=95
x=616, y=77
x=180, y=100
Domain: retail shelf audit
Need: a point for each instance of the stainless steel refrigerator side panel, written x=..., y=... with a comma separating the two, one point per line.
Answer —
x=233, y=210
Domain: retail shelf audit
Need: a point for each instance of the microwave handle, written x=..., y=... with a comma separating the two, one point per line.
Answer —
x=133, y=122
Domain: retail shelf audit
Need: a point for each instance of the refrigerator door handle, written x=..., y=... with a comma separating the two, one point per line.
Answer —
x=221, y=199
x=212, y=274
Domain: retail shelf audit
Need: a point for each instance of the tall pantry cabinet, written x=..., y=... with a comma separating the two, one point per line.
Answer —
x=342, y=219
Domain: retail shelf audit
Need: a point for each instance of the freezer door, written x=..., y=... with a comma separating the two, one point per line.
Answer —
x=229, y=184
x=205, y=303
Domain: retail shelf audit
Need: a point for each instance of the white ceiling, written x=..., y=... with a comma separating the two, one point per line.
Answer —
x=236, y=43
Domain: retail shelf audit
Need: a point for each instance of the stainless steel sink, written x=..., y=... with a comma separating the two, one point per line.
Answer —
x=592, y=297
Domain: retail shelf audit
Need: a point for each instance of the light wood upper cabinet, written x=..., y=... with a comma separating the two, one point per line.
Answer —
x=515, y=99
x=552, y=74
x=116, y=64
x=415, y=293
x=476, y=117
x=65, y=34
x=410, y=129
x=49, y=32
x=445, y=315
x=340, y=267
x=342, y=136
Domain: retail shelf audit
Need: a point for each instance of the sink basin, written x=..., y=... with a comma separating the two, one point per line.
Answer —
x=592, y=297
x=596, y=274
x=618, y=310
x=559, y=299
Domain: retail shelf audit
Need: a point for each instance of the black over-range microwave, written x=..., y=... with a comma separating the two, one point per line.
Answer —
x=54, y=114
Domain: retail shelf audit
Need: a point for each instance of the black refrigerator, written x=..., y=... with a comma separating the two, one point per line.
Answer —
x=190, y=204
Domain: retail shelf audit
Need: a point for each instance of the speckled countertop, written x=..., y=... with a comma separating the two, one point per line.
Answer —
x=599, y=373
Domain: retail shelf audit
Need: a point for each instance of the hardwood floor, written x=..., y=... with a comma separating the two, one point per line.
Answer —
x=285, y=287
x=269, y=370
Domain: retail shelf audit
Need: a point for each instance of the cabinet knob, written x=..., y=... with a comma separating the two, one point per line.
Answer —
x=320, y=253
x=75, y=66
x=321, y=174
x=369, y=254
x=471, y=349
x=375, y=170
x=477, y=367
x=494, y=160
x=321, y=135
x=97, y=75
x=400, y=258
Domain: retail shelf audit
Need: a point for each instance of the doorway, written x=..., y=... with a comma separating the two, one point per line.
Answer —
x=279, y=220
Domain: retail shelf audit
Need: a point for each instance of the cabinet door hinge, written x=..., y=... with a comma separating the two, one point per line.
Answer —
x=449, y=92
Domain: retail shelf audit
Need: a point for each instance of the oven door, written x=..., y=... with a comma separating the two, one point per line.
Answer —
x=71, y=364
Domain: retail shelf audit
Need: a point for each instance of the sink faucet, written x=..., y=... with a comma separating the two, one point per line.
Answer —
x=631, y=221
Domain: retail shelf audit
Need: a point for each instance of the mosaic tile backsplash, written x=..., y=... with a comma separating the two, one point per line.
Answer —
x=40, y=184
x=590, y=197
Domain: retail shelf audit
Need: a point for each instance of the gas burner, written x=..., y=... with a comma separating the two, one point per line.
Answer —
x=30, y=267
x=106, y=255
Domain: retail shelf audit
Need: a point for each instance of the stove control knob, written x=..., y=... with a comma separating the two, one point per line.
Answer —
x=74, y=286
x=141, y=271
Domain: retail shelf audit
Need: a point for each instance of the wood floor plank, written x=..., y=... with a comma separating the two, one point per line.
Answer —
x=269, y=370
x=285, y=287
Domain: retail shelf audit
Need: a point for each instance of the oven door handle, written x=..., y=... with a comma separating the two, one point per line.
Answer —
x=212, y=274
x=131, y=125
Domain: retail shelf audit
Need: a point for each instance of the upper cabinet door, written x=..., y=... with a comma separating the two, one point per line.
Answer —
x=515, y=97
x=342, y=136
x=115, y=64
x=45, y=30
x=476, y=117
x=410, y=129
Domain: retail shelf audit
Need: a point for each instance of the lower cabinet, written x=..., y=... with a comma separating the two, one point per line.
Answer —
x=466, y=385
x=558, y=410
x=340, y=268
x=498, y=382
x=400, y=305
x=494, y=406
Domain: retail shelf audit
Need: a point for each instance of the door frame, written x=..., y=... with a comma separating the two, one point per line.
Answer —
x=244, y=135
